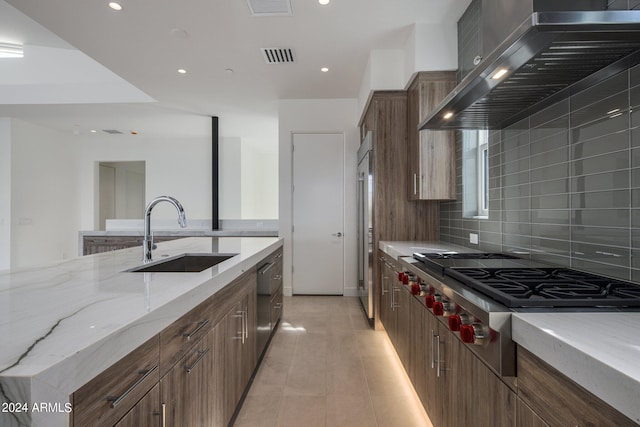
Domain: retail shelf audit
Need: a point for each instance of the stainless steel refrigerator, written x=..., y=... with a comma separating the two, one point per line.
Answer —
x=365, y=224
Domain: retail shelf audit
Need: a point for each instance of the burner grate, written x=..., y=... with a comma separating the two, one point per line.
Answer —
x=548, y=287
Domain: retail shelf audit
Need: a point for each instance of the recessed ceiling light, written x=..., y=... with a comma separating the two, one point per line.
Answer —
x=448, y=115
x=324, y=69
x=93, y=131
x=10, y=50
x=324, y=2
x=133, y=132
x=182, y=71
x=500, y=73
x=115, y=5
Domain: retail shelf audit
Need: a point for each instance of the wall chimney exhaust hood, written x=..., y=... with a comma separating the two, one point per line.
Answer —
x=550, y=56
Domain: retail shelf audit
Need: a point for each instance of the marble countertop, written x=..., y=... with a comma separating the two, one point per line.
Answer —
x=598, y=350
x=64, y=323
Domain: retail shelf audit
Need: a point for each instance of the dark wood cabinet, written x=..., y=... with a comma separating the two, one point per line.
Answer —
x=99, y=244
x=191, y=386
x=193, y=373
x=395, y=216
x=147, y=412
x=559, y=401
x=431, y=153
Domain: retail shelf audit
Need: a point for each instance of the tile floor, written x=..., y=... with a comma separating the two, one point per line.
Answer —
x=326, y=367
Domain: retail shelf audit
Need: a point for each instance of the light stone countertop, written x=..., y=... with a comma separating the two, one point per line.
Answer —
x=64, y=323
x=598, y=350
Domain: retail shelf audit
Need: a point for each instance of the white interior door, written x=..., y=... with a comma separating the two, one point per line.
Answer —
x=318, y=214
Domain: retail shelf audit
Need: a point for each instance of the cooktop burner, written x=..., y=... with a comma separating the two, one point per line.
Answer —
x=462, y=255
x=548, y=287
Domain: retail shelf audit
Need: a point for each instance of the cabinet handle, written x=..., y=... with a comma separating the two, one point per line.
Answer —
x=432, y=346
x=415, y=183
x=438, y=362
x=239, y=314
x=115, y=400
x=201, y=354
x=384, y=291
x=245, y=325
x=200, y=326
x=394, y=298
x=164, y=415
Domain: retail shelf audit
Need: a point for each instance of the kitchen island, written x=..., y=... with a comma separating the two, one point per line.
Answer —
x=592, y=353
x=63, y=324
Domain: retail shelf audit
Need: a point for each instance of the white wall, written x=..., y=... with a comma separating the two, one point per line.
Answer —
x=44, y=195
x=259, y=180
x=384, y=71
x=230, y=176
x=319, y=115
x=178, y=168
x=431, y=47
x=5, y=193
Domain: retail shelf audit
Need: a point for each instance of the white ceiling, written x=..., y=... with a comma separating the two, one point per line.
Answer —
x=89, y=67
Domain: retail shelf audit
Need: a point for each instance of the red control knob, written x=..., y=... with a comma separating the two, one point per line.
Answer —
x=429, y=300
x=455, y=321
x=467, y=334
x=400, y=276
x=415, y=289
x=438, y=308
x=405, y=279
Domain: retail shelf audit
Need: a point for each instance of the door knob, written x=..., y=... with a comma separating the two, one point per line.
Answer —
x=338, y=234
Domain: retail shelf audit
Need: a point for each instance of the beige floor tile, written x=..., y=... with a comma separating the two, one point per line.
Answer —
x=350, y=411
x=258, y=411
x=302, y=411
x=326, y=367
x=395, y=411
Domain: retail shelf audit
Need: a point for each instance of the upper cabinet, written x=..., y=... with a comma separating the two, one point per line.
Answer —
x=432, y=154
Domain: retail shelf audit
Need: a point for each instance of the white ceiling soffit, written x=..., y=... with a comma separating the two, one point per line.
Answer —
x=270, y=7
x=277, y=55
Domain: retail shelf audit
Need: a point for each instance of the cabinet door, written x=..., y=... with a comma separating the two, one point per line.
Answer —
x=249, y=356
x=233, y=377
x=403, y=331
x=433, y=402
x=147, y=412
x=526, y=417
x=418, y=354
x=431, y=153
x=186, y=389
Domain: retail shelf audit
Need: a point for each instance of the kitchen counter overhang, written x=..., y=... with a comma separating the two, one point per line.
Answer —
x=64, y=323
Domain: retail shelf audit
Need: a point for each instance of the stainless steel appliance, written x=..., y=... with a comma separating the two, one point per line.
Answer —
x=365, y=224
x=474, y=294
x=269, y=305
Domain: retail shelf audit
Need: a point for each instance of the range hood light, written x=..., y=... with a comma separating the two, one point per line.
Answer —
x=10, y=50
x=500, y=73
x=613, y=111
x=448, y=115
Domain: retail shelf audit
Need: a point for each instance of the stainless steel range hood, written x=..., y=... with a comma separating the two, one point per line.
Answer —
x=549, y=57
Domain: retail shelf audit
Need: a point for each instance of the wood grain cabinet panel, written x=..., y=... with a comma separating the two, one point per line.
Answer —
x=526, y=417
x=146, y=413
x=99, y=244
x=108, y=397
x=432, y=157
x=395, y=216
x=558, y=400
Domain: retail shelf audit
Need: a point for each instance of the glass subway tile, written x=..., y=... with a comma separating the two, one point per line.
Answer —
x=545, y=231
x=598, y=128
x=553, y=201
x=519, y=228
x=553, y=142
x=512, y=191
x=560, y=170
x=549, y=158
x=613, y=106
x=607, y=162
x=601, y=235
x=601, y=199
x=600, y=91
x=601, y=217
x=551, y=216
x=549, y=116
x=554, y=186
x=600, y=181
x=601, y=268
x=515, y=178
x=520, y=165
x=516, y=216
x=603, y=254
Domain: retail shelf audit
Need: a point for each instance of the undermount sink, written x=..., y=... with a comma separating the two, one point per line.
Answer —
x=186, y=263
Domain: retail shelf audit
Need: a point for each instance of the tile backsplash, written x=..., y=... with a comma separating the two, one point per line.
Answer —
x=564, y=184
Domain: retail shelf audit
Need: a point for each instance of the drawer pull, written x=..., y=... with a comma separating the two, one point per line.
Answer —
x=115, y=400
x=200, y=326
x=201, y=354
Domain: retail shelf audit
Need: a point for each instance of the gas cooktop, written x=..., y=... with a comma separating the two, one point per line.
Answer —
x=548, y=287
x=438, y=262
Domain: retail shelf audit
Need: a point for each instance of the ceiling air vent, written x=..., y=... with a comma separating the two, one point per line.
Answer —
x=277, y=55
x=270, y=7
x=112, y=131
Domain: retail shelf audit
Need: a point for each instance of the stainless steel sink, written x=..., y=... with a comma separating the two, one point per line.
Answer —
x=185, y=263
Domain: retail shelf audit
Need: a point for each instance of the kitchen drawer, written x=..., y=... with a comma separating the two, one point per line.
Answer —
x=109, y=396
x=276, y=308
x=179, y=337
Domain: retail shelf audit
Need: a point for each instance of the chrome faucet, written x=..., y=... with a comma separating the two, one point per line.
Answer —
x=147, y=243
